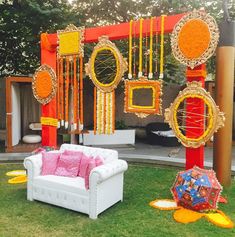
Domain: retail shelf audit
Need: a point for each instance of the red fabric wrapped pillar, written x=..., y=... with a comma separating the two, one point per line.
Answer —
x=48, y=56
x=195, y=156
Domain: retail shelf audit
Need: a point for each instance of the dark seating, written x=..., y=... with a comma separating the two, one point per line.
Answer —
x=155, y=139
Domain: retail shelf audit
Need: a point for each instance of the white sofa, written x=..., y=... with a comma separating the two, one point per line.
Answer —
x=106, y=183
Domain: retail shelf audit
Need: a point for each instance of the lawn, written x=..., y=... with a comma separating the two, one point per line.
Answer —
x=133, y=217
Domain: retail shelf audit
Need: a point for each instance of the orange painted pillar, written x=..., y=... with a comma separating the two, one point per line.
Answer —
x=48, y=56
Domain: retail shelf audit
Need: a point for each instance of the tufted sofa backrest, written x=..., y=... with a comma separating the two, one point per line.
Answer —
x=107, y=154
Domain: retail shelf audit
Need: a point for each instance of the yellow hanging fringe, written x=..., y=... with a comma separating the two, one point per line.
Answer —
x=130, y=50
x=151, y=49
x=140, y=74
x=162, y=46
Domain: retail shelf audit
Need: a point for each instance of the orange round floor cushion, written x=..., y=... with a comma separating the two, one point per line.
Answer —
x=43, y=84
x=194, y=38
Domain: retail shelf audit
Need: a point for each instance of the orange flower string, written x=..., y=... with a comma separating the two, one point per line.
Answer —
x=67, y=94
x=113, y=111
x=81, y=92
x=75, y=92
x=62, y=90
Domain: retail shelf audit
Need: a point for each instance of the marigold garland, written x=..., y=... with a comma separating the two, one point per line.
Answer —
x=130, y=50
x=194, y=38
x=104, y=109
x=185, y=216
x=140, y=73
x=45, y=43
x=162, y=47
x=193, y=43
x=81, y=92
x=67, y=94
x=44, y=84
x=70, y=57
x=49, y=121
x=151, y=49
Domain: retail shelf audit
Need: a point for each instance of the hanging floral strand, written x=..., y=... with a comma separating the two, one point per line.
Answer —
x=67, y=94
x=162, y=47
x=95, y=110
x=134, y=49
x=130, y=50
x=69, y=110
x=150, y=76
x=140, y=73
x=156, y=50
x=81, y=93
x=146, y=51
x=75, y=93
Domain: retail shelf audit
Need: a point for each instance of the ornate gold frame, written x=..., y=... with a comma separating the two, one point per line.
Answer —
x=106, y=44
x=142, y=83
x=215, y=121
x=80, y=44
x=53, y=77
x=214, y=33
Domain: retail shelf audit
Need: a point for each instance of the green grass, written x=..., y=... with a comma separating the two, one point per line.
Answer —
x=133, y=217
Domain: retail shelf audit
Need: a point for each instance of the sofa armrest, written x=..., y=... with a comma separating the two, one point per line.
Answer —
x=33, y=164
x=104, y=172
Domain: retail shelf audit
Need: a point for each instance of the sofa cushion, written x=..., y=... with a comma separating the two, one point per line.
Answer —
x=91, y=165
x=73, y=153
x=67, y=184
x=84, y=164
x=49, y=162
x=68, y=165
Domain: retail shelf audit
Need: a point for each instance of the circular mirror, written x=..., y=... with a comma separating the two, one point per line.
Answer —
x=194, y=116
x=106, y=65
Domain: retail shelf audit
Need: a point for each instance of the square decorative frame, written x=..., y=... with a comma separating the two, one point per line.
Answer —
x=143, y=110
x=71, y=41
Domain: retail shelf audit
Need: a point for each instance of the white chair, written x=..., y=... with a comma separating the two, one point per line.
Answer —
x=106, y=183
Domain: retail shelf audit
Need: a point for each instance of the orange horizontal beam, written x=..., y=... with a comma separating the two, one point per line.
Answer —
x=121, y=31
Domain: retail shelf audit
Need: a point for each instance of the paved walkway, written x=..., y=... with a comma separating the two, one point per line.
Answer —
x=141, y=153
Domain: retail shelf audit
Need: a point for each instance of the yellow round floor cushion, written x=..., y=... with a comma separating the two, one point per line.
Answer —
x=18, y=179
x=16, y=173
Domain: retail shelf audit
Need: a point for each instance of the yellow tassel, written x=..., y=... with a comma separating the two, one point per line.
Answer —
x=130, y=50
x=140, y=48
x=162, y=46
x=151, y=50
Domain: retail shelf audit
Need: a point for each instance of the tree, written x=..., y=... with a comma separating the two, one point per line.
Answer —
x=21, y=23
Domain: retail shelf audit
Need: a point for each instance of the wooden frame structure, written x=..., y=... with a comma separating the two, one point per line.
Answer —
x=115, y=32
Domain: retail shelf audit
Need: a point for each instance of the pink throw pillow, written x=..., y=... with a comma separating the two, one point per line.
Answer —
x=68, y=165
x=91, y=165
x=73, y=153
x=84, y=164
x=49, y=163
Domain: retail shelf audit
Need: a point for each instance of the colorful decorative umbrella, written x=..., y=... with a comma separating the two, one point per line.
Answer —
x=196, y=189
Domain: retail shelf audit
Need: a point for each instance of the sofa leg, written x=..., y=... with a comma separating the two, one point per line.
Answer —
x=93, y=216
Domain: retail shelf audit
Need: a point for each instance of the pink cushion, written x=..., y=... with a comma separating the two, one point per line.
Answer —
x=90, y=166
x=84, y=164
x=68, y=165
x=49, y=163
x=73, y=153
